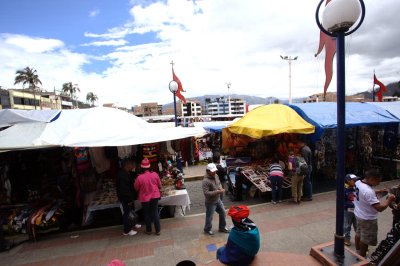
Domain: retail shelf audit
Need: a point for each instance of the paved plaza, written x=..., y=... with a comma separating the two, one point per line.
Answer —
x=287, y=231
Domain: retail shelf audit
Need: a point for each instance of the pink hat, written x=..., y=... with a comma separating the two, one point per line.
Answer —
x=145, y=163
x=116, y=263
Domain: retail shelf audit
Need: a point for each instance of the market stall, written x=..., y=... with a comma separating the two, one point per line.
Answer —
x=260, y=134
x=369, y=134
x=60, y=166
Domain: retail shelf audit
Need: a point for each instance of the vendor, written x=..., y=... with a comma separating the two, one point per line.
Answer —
x=243, y=241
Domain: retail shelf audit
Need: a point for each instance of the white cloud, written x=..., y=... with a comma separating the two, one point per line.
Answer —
x=32, y=45
x=213, y=42
x=94, y=13
x=107, y=43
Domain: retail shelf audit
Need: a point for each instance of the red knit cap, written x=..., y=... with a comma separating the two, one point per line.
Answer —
x=238, y=212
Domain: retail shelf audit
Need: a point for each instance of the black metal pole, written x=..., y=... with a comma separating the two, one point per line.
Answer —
x=176, y=119
x=340, y=153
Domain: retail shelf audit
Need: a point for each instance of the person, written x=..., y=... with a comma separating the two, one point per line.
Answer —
x=306, y=153
x=221, y=172
x=296, y=179
x=367, y=206
x=213, y=190
x=275, y=174
x=127, y=195
x=395, y=206
x=349, y=217
x=148, y=185
x=244, y=239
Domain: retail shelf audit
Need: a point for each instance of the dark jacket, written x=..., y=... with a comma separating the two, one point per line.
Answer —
x=125, y=190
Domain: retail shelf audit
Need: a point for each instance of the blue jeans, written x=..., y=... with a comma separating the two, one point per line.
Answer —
x=210, y=209
x=349, y=220
x=307, y=185
x=276, y=182
x=150, y=211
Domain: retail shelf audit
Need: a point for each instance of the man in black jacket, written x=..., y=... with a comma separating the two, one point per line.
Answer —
x=127, y=195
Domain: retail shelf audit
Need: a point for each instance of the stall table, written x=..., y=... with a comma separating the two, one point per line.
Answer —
x=176, y=198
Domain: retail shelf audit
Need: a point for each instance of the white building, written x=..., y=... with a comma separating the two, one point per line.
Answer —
x=223, y=106
x=191, y=109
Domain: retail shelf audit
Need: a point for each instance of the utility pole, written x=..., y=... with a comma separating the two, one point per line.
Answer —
x=289, y=59
x=229, y=97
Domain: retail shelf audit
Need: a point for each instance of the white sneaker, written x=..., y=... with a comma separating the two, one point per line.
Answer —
x=137, y=226
x=130, y=233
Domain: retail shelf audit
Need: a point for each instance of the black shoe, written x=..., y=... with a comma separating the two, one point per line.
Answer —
x=225, y=230
x=210, y=233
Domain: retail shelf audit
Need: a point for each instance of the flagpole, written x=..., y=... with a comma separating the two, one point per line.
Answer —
x=373, y=88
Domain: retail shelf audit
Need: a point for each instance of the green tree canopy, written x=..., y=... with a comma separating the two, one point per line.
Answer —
x=28, y=76
x=91, y=97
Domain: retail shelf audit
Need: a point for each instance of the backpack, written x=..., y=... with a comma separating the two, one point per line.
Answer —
x=301, y=166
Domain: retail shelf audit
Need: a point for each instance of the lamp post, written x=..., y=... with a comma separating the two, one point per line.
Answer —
x=173, y=87
x=338, y=17
x=289, y=59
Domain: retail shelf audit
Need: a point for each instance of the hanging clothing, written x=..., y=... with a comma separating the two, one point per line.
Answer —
x=99, y=160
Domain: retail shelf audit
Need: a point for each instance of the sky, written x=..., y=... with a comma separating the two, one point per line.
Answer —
x=122, y=50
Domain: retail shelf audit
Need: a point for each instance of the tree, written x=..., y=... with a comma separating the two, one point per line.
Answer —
x=70, y=90
x=91, y=97
x=28, y=76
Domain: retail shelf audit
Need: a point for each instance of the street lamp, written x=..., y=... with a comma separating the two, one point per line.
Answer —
x=173, y=87
x=337, y=19
x=289, y=59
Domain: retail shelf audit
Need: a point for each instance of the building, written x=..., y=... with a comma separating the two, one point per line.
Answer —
x=191, y=108
x=26, y=100
x=147, y=109
x=222, y=106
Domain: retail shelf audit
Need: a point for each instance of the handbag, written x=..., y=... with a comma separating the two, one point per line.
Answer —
x=133, y=217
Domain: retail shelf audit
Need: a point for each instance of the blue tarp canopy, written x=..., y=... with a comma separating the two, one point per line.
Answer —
x=392, y=107
x=323, y=115
x=214, y=126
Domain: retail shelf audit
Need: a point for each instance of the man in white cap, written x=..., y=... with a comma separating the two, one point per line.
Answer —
x=213, y=190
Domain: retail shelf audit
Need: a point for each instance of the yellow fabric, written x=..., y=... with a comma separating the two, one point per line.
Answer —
x=270, y=120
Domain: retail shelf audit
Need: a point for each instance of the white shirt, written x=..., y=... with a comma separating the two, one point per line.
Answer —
x=366, y=197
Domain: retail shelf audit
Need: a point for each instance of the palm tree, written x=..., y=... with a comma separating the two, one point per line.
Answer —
x=28, y=76
x=70, y=90
x=91, y=97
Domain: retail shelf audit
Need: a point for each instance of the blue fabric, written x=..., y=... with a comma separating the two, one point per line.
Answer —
x=241, y=247
x=323, y=115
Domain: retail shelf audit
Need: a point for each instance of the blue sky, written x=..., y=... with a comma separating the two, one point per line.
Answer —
x=121, y=50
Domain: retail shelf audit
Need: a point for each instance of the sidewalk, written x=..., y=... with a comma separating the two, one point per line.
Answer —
x=287, y=234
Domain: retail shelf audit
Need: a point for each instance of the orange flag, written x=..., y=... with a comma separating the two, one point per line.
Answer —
x=180, y=88
x=381, y=90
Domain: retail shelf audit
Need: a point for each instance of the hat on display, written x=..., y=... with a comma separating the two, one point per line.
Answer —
x=212, y=167
x=238, y=213
x=349, y=177
x=145, y=163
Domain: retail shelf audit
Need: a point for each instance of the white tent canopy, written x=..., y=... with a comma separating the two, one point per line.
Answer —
x=10, y=117
x=94, y=127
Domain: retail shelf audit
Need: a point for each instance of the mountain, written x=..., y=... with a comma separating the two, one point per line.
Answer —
x=393, y=90
x=250, y=100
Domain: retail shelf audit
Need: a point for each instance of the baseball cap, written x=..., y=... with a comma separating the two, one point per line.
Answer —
x=349, y=177
x=212, y=167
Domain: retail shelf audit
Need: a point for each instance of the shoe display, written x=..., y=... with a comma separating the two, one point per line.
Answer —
x=211, y=233
x=130, y=233
x=225, y=230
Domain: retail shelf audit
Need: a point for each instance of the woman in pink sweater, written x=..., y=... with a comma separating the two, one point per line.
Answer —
x=148, y=186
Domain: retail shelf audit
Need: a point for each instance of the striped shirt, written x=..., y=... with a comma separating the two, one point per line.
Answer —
x=275, y=170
